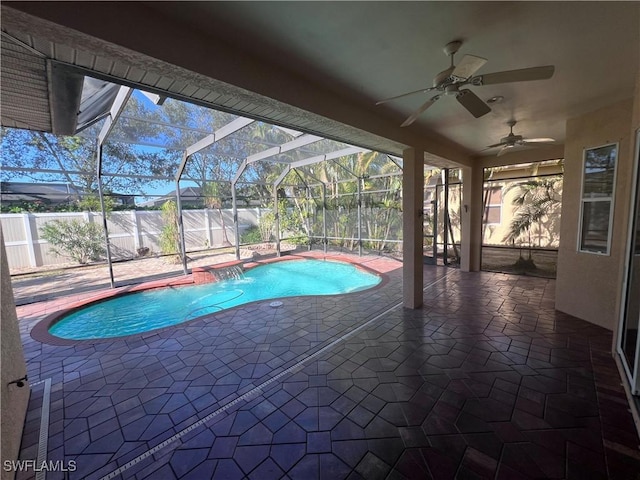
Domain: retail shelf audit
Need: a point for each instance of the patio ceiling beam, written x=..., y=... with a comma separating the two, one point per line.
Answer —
x=308, y=174
x=116, y=109
x=306, y=185
x=285, y=147
x=304, y=182
x=188, y=129
x=353, y=174
x=232, y=127
x=328, y=156
x=270, y=152
x=282, y=175
x=144, y=144
x=166, y=124
x=154, y=97
x=290, y=131
x=209, y=140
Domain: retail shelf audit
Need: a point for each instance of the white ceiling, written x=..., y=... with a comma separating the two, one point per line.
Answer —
x=358, y=51
x=372, y=50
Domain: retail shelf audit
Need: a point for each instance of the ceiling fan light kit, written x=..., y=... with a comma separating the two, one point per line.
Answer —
x=449, y=81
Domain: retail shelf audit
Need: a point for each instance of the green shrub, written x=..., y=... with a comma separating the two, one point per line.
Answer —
x=266, y=225
x=80, y=241
x=91, y=203
x=251, y=235
x=298, y=240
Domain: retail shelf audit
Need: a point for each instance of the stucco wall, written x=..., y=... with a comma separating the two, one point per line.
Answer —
x=588, y=285
x=12, y=366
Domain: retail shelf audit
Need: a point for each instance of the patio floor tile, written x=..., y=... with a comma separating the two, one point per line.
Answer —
x=487, y=380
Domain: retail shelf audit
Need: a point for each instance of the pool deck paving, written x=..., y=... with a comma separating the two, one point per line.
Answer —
x=487, y=380
x=39, y=286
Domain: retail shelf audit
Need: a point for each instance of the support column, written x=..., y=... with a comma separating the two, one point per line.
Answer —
x=412, y=229
x=14, y=399
x=472, y=210
x=445, y=217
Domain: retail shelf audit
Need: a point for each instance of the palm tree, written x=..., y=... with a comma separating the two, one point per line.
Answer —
x=213, y=198
x=534, y=201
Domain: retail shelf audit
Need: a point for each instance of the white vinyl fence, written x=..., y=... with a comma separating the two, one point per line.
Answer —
x=128, y=232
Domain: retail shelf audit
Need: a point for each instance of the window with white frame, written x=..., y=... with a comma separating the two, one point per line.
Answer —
x=596, y=205
x=493, y=206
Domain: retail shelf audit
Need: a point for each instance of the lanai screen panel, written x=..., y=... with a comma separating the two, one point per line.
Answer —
x=304, y=148
x=225, y=157
x=377, y=177
x=174, y=124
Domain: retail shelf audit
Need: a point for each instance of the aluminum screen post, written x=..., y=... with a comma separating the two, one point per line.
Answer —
x=434, y=227
x=359, y=180
x=183, y=248
x=277, y=182
x=324, y=217
x=103, y=208
x=122, y=97
x=277, y=218
x=306, y=213
x=324, y=208
x=308, y=219
x=234, y=209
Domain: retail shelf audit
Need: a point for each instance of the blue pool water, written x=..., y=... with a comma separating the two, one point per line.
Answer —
x=152, y=309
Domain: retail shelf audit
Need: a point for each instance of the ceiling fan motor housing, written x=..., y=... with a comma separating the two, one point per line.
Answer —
x=443, y=78
x=511, y=139
x=452, y=48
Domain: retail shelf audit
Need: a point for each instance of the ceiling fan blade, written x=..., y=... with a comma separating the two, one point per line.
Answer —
x=469, y=65
x=422, y=90
x=419, y=111
x=523, y=75
x=504, y=149
x=538, y=140
x=473, y=103
x=495, y=145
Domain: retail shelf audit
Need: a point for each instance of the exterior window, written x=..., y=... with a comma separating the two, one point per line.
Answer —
x=493, y=208
x=596, y=212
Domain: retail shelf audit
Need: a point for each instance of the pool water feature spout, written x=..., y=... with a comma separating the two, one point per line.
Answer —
x=232, y=272
x=214, y=273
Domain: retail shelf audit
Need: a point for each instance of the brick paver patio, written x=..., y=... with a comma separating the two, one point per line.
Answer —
x=486, y=381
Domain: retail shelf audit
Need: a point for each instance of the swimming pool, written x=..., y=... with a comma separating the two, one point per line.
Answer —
x=152, y=309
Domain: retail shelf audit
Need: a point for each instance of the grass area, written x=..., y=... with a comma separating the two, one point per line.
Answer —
x=516, y=261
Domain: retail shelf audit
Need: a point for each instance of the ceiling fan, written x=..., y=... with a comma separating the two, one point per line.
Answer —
x=449, y=81
x=512, y=140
